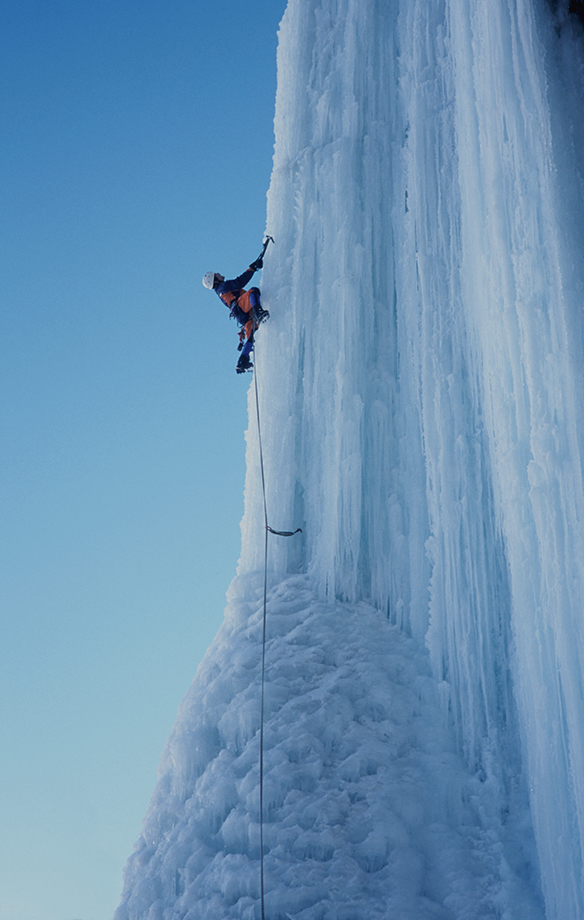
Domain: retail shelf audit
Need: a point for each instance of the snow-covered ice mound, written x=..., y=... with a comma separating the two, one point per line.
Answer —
x=368, y=810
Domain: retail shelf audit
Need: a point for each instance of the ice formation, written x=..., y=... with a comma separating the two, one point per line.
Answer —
x=420, y=388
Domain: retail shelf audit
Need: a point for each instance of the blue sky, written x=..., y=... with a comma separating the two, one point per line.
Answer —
x=136, y=153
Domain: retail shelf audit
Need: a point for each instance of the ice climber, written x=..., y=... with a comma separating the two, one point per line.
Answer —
x=244, y=305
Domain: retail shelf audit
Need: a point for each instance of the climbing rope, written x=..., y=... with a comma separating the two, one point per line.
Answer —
x=279, y=533
x=262, y=892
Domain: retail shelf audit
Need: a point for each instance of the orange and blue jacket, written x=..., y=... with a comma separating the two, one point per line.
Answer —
x=231, y=291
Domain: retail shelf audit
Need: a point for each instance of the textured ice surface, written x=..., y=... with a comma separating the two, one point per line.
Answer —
x=368, y=809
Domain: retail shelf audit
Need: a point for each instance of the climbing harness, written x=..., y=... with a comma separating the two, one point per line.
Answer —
x=278, y=533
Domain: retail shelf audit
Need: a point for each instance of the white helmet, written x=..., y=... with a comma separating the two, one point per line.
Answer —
x=209, y=280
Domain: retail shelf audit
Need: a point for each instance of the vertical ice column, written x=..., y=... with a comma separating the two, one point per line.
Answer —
x=491, y=298
x=340, y=445
x=522, y=238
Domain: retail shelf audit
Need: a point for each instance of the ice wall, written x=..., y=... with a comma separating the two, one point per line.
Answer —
x=423, y=373
x=420, y=389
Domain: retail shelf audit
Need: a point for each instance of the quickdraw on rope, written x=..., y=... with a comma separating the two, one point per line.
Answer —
x=284, y=533
x=278, y=533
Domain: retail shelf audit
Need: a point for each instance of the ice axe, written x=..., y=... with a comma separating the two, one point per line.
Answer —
x=260, y=258
x=267, y=241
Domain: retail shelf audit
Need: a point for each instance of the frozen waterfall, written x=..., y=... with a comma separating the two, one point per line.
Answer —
x=421, y=396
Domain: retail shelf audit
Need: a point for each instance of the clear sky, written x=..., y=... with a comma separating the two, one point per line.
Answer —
x=136, y=151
